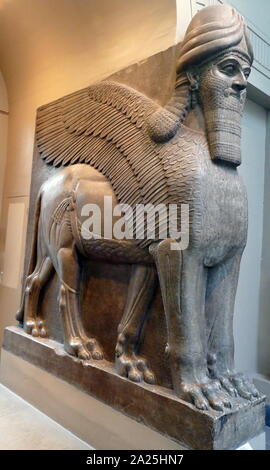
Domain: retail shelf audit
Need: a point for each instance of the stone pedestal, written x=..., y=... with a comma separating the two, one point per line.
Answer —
x=181, y=424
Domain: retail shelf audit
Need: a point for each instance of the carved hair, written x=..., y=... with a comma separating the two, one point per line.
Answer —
x=165, y=122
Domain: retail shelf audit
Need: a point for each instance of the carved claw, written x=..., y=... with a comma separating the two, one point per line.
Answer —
x=237, y=385
x=133, y=367
x=193, y=394
x=85, y=349
x=244, y=386
x=130, y=365
x=227, y=385
x=35, y=327
x=82, y=352
x=205, y=395
x=95, y=349
x=215, y=396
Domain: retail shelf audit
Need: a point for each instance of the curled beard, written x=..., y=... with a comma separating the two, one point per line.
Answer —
x=223, y=110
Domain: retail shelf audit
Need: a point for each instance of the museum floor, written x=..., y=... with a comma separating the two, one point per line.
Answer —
x=23, y=427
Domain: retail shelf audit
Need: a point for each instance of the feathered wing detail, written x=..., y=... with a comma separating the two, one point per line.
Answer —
x=105, y=126
x=117, y=130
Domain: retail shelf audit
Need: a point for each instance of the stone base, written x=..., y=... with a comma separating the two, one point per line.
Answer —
x=156, y=407
x=95, y=423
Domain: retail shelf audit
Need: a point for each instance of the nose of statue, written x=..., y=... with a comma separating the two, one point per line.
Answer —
x=240, y=83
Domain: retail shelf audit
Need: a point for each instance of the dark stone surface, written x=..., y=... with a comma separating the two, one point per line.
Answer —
x=156, y=407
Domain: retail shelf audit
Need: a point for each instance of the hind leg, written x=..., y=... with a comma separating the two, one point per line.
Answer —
x=33, y=323
x=76, y=341
x=140, y=293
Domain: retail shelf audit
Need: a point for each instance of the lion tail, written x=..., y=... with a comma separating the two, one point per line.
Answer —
x=33, y=255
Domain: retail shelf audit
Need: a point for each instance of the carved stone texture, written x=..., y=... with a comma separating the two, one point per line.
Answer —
x=111, y=140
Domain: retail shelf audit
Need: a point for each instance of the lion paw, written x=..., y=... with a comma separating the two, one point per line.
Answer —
x=130, y=365
x=35, y=327
x=134, y=368
x=205, y=395
x=85, y=349
x=237, y=384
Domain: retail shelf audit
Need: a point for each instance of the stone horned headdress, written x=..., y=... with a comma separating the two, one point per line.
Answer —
x=212, y=31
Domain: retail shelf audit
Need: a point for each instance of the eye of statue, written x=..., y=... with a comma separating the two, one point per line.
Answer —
x=228, y=68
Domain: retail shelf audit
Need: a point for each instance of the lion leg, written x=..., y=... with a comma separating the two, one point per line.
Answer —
x=220, y=298
x=140, y=293
x=76, y=341
x=182, y=278
x=33, y=323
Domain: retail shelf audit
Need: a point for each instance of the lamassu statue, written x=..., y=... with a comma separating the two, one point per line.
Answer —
x=114, y=141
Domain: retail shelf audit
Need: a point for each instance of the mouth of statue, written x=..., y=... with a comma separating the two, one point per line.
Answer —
x=240, y=96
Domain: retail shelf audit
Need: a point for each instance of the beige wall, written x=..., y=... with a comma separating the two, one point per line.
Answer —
x=49, y=48
x=3, y=149
x=3, y=139
x=3, y=94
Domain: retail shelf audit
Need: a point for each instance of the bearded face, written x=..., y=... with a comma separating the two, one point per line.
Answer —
x=222, y=94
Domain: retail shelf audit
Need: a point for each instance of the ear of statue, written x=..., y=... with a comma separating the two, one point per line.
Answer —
x=193, y=79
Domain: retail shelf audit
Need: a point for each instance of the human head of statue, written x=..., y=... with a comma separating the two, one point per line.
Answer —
x=214, y=63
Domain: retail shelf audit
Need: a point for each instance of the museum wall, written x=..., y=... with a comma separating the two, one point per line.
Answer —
x=263, y=340
x=247, y=310
x=3, y=133
x=49, y=49
x=259, y=14
x=253, y=345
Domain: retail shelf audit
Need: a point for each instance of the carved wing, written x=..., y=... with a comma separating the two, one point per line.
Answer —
x=105, y=125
